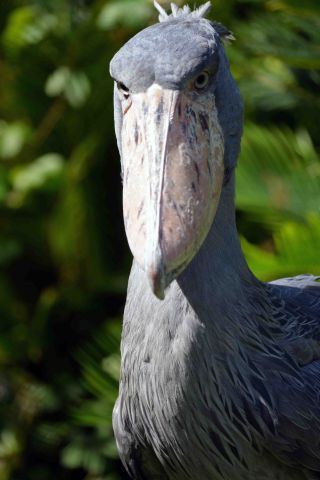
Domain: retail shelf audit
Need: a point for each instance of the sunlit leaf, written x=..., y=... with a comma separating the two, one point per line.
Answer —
x=29, y=25
x=296, y=251
x=77, y=89
x=72, y=456
x=44, y=172
x=74, y=85
x=9, y=444
x=12, y=138
x=129, y=13
x=111, y=365
x=57, y=81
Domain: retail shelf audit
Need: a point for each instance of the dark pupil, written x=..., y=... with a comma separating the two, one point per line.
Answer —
x=201, y=79
x=123, y=87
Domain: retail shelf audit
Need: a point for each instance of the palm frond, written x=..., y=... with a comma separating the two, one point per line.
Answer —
x=278, y=170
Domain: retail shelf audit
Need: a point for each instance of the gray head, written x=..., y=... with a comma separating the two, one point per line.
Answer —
x=178, y=119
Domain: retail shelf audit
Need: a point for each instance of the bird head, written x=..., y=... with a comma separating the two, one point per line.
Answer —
x=178, y=121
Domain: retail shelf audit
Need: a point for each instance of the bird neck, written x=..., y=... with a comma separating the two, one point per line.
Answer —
x=217, y=292
x=219, y=272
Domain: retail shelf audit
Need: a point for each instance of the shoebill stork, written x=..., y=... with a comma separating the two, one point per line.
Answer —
x=220, y=373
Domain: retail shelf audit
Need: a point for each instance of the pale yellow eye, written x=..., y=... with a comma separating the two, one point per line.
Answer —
x=201, y=81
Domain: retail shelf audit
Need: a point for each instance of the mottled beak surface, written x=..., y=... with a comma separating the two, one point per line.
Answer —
x=172, y=152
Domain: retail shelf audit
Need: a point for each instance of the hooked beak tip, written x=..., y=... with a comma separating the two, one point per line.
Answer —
x=157, y=281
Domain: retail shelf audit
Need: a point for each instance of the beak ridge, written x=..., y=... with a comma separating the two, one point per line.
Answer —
x=162, y=104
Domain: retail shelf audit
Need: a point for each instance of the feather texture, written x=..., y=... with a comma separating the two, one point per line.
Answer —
x=221, y=379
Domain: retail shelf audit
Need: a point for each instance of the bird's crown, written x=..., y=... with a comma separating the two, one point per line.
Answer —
x=199, y=12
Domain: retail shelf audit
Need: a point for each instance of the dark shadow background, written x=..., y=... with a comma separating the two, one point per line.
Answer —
x=64, y=259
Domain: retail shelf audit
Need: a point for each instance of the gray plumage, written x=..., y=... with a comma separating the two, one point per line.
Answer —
x=221, y=379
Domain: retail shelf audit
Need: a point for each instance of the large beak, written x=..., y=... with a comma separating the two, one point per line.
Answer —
x=172, y=150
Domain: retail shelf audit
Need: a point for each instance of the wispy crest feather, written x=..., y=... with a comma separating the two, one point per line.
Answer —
x=177, y=12
x=200, y=12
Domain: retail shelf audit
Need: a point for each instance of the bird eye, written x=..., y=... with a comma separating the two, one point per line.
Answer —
x=125, y=98
x=201, y=81
x=123, y=89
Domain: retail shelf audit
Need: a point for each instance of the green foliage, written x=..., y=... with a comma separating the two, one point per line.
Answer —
x=128, y=13
x=270, y=190
x=12, y=138
x=74, y=86
x=42, y=174
x=271, y=166
x=63, y=256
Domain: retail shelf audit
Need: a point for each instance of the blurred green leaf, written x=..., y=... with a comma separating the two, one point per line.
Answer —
x=129, y=13
x=77, y=89
x=9, y=249
x=50, y=435
x=290, y=37
x=72, y=456
x=43, y=173
x=271, y=165
x=12, y=138
x=57, y=81
x=111, y=365
x=27, y=25
x=30, y=24
x=267, y=84
x=74, y=85
x=296, y=251
x=9, y=444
